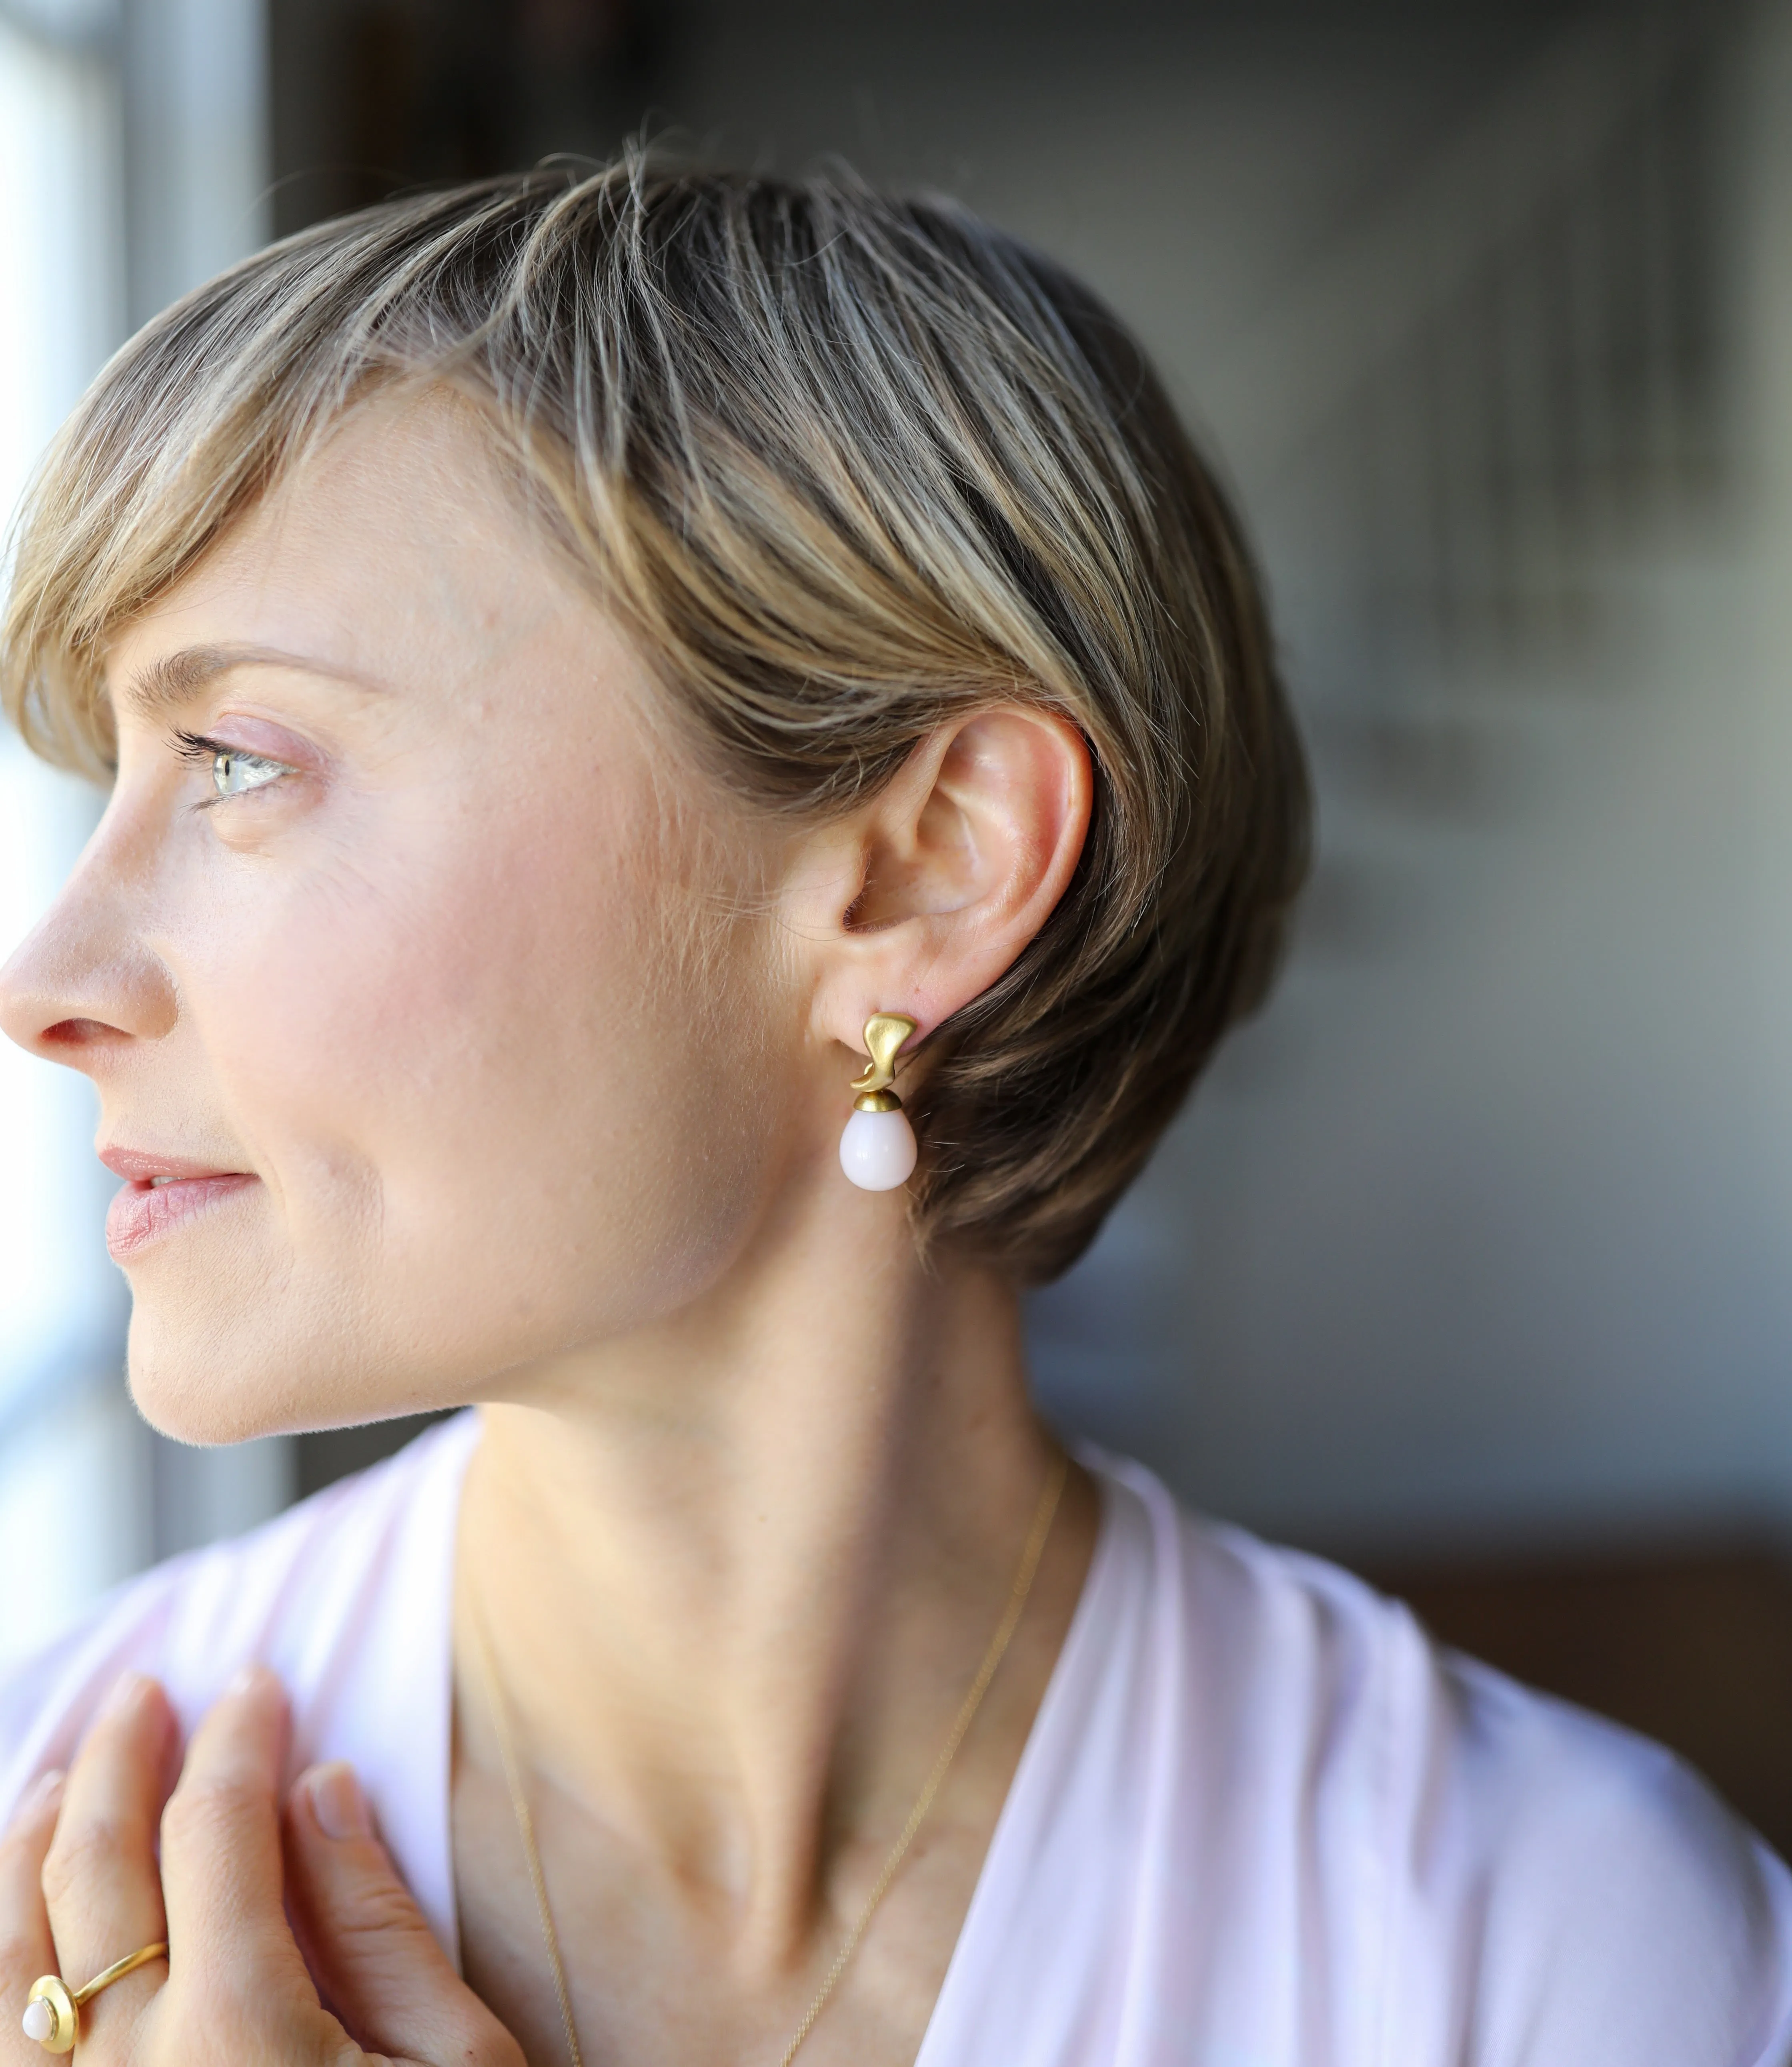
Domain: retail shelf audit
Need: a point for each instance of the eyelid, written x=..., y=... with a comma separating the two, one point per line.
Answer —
x=201, y=745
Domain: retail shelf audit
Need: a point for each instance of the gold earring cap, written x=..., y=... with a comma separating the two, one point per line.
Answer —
x=885, y=1032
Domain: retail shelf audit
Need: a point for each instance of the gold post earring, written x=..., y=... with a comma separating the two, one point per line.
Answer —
x=877, y=1150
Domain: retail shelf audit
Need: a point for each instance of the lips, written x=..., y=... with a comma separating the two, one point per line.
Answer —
x=160, y=1193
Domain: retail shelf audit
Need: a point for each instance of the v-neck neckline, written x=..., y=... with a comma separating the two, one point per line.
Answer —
x=1017, y=1826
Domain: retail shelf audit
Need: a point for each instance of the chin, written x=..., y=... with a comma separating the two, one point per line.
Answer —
x=229, y=1372
x=208, y=1419
x=207, y=1402
x=221, y=1379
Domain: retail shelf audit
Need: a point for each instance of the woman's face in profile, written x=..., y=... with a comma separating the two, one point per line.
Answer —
x=403, y=915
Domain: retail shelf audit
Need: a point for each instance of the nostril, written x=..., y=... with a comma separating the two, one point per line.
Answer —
x=78, y=1033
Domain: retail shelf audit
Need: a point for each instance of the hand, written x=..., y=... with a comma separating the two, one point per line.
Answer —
x=79, y=1888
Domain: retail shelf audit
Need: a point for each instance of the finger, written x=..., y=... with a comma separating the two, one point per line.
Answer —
x=220, y=1849
x=100, y=1880
x=373, y=1954
x=26, y=1947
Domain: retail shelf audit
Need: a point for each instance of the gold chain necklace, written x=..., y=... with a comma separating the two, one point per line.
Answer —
x=1042, y=1518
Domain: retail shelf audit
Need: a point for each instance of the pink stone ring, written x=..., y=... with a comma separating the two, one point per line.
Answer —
x=53, y=2010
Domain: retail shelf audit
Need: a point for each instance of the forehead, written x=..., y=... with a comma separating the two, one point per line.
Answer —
x=398, y=546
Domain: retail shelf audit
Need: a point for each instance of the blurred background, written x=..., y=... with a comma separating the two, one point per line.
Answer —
x=1470, y=1263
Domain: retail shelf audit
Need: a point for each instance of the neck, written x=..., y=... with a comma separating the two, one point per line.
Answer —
x=737, y=1571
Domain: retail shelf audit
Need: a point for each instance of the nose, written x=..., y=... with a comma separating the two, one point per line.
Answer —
x=82, y=986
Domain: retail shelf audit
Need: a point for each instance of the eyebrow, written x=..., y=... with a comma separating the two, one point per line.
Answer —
x=169, y=684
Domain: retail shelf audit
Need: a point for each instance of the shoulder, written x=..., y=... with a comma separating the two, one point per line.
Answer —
x=1525, y=1880
x=306, y=1594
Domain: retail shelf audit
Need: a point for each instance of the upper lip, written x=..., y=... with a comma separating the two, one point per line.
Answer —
x=139, y=1165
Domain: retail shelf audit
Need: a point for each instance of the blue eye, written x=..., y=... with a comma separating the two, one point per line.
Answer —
x=233, y=773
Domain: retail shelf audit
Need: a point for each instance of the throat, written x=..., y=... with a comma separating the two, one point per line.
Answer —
x=731, y=1661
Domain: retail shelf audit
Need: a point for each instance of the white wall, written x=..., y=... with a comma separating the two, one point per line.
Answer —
x=1482, y=1235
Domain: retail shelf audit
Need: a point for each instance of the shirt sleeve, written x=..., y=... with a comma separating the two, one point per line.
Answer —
x=1611, y=1911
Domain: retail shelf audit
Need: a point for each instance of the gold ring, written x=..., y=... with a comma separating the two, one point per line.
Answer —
x=53, y=2010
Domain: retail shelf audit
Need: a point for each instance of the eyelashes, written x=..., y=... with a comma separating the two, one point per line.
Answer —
x=195, y=747
x=234, y=773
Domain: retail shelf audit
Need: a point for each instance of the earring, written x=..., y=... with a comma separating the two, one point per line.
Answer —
x=877, y=1150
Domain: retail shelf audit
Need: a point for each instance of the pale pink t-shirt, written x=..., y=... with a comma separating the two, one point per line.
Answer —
x=1261, y=1820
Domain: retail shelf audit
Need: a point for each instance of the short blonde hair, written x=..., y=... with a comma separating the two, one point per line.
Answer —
x=847, y=467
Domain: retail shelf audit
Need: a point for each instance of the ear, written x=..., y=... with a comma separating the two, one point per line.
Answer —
x=928, y=894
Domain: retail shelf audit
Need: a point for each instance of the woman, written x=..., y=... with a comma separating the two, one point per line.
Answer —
x=582, y=663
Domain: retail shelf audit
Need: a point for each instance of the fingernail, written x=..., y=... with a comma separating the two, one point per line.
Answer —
x=128, y=1690
x=339, y=1803
x=242, y=1681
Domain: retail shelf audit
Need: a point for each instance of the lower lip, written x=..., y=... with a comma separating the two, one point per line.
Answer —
x=142, y=1213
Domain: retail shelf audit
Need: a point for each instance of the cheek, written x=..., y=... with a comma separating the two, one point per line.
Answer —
x=491, y=1104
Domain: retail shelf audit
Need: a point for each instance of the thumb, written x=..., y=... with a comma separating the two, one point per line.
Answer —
x=369, y=1949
